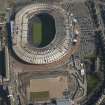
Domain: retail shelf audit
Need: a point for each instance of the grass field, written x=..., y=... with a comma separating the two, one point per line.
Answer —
x=42, y=29
x=37, y=96
x=37, y=33
x=92, y=82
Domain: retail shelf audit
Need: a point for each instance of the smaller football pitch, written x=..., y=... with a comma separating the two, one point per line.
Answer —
x=37, y=96
x=47, y=88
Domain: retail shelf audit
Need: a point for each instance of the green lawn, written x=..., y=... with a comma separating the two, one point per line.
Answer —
x=43, y=30
x=92, y=82
x=37, y=96
x=37, y=33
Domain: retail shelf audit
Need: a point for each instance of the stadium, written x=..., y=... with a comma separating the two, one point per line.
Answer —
x=44, y=34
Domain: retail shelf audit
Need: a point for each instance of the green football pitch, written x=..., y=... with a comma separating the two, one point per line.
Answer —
x=37, y=33
x=43, y=30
